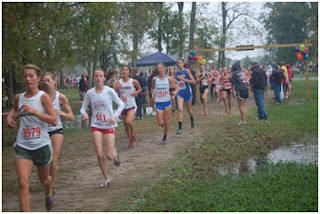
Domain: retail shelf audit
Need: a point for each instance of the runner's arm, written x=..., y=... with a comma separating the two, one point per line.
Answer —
x=153, y=83
x=13, y=113
x=86, y=102
x=65, y=102
x=118, y=101
x=50, y=117
x=172, y=82
x=136, y=84
x=191, y=81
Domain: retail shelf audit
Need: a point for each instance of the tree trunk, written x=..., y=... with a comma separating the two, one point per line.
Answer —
x=224, y=30
x=181, y=39
x=192, y=25
x=135, y=49
x=159, y=46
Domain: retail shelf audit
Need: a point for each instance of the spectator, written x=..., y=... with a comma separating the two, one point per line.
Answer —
x=139, y=96
x=277, y=77
x=82, y=87
x=258, y=83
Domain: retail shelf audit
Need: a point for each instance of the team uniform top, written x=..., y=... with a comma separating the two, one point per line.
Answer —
x=161, y=89
x=225, y=82
x=56, y=105
x=204, y=81
x=184, y=87
x=126, y=90
x=33, y=132
x=102, y=109
x=217, y=81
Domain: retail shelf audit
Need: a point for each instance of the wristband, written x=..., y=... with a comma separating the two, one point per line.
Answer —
x=38, y=112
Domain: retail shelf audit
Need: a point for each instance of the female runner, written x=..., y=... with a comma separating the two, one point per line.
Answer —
x=33, y=145
x=160, y=90
x=184, y=78
x=226, y=86
x=103, y=121
x=172, y=74
x=203, y=78
x=128, y=89
x=56, y=132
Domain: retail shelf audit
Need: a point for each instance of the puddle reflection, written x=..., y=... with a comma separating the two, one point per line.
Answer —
x=300, y=153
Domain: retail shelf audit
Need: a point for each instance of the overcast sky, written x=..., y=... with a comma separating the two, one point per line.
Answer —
x=213, y=6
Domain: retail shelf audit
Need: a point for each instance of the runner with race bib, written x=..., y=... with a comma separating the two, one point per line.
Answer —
x=103, y=121
x=128, y=89
x=160, y=90
x=33, y=145
x=184, y=78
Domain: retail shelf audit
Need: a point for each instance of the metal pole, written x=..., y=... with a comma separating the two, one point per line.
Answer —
x=306, y=64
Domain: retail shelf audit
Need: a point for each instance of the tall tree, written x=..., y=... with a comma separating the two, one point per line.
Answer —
x=235, y=16
x=192, y=25
x=181, y=31
x=290, y=22
x=139, y=18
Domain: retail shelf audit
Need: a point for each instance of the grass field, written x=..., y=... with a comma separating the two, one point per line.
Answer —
x=191, y=181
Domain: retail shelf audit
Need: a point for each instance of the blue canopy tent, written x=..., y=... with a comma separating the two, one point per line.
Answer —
x=155, y=58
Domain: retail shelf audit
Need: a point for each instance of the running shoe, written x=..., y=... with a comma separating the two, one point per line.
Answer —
x=105, y=184
x=179, y=131
x=164, y=141
x=205, y=113
x=49, y=202
x=192, y=124
x=241, y=123
x=116, y=160
x=133, y=136
x=130, y=144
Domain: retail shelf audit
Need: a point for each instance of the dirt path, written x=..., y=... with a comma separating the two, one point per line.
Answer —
x=79, y=174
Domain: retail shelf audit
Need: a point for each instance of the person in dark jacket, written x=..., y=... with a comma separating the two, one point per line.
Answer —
x=82, y=87
x=240, y=81
x=139, y=97
x=277, y=77
x=258, y=81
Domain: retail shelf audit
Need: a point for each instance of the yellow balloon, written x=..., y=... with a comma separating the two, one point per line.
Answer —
x=203, y=61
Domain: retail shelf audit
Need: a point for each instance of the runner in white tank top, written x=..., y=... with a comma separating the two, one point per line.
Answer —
x=33, y=144
x=128, y=89
x=56, y=132
x=103, y=121
x=160, y=90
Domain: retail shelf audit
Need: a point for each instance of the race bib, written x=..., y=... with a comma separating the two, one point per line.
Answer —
x=182, y=85
x=102, y=117
x=31, y=132
x=162, y=93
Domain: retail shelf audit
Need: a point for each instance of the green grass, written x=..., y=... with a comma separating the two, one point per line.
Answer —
x=191, y=182
x=281, y=187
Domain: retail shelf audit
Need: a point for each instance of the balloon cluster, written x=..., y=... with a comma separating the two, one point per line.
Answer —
x=192, y=58
x=302, y=52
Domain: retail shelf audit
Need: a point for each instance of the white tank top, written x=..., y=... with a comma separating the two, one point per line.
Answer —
x=56, y=105
x=161, y=90
x=125, y=90
x=33, y=132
